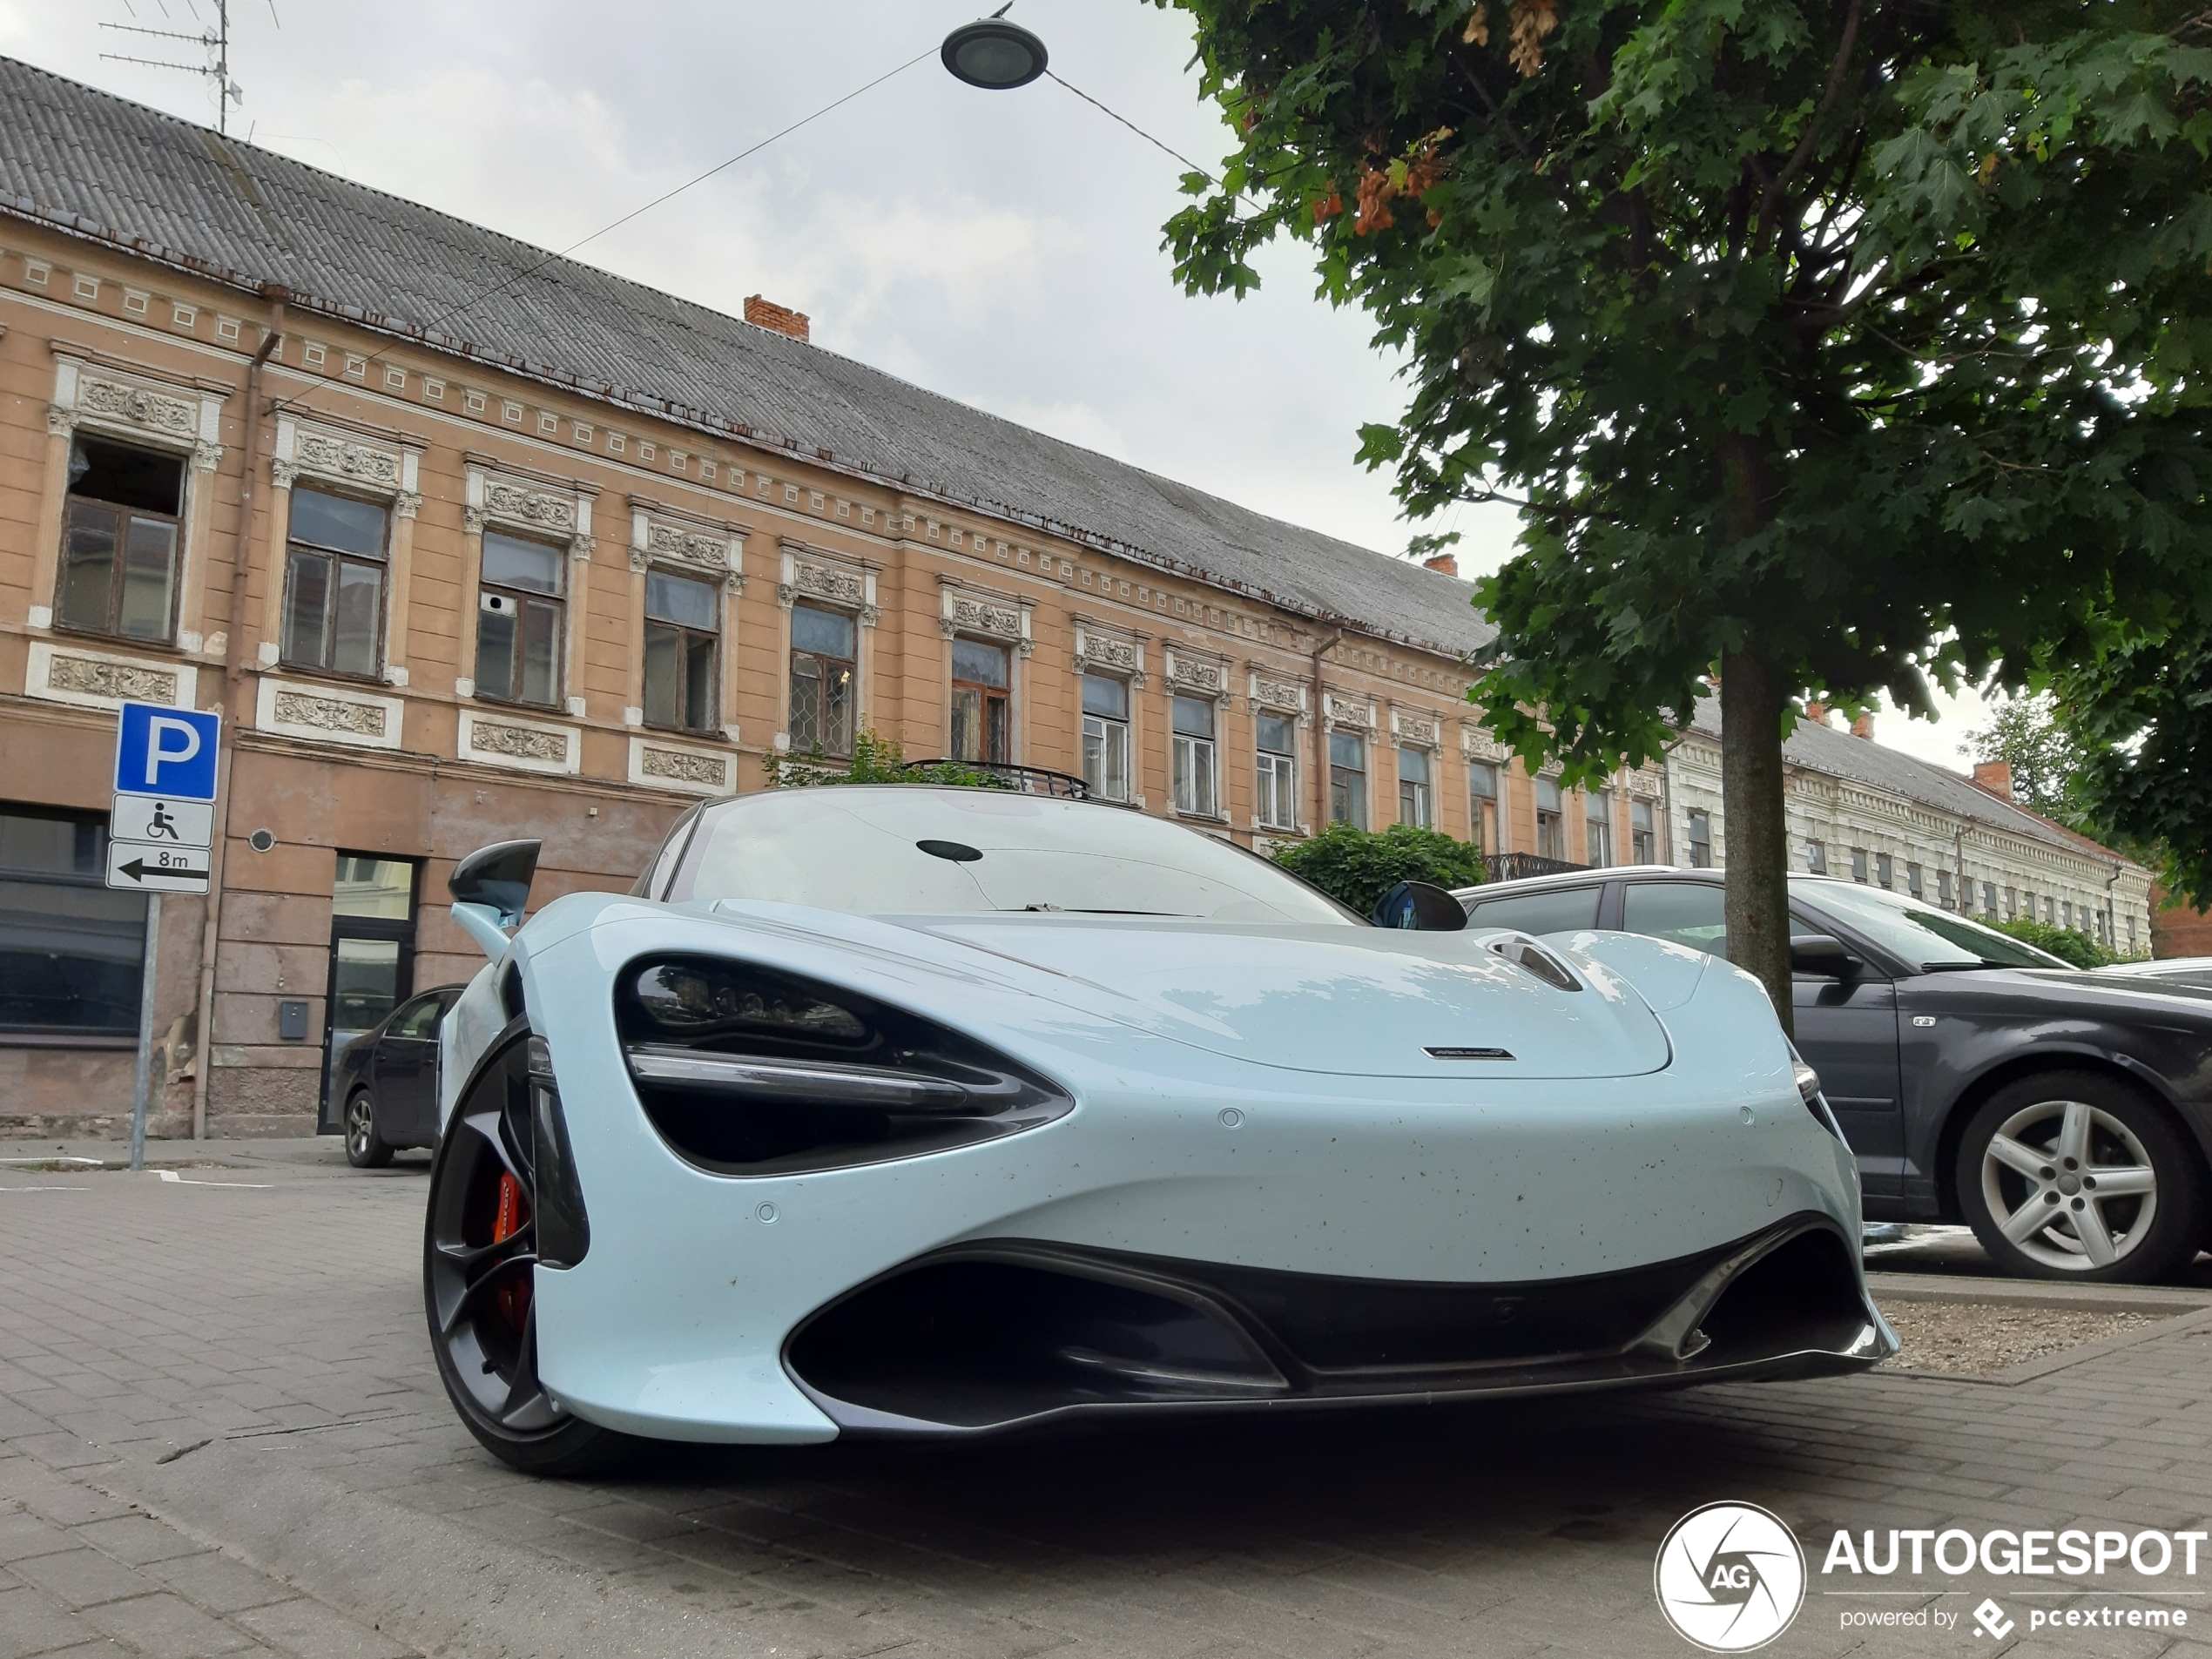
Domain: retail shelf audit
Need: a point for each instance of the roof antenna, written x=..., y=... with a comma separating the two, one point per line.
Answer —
x=215, y=42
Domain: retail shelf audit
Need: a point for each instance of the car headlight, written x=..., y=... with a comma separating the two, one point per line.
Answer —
x=748, y=1070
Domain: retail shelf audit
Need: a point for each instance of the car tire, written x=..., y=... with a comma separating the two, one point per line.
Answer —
x=479, y=1282
x=366, y=1147
x=2075, y=1175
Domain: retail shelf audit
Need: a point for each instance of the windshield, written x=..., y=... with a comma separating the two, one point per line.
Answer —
x=1931, y=940
x=912, y=851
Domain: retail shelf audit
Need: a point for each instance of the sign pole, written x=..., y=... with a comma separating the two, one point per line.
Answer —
x=142, y=1080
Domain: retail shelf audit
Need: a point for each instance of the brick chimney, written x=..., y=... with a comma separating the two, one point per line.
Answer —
x=1816, y=712
x=1995, y=777
x=1443, y=561
x=1864, y=727
x=766, y=314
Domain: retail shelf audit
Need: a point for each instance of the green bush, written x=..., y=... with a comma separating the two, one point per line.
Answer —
x=2065, y=943
x=1356, y=866
x=875, y=760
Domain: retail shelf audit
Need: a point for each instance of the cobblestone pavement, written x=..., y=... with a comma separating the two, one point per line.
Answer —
x=220, y=1432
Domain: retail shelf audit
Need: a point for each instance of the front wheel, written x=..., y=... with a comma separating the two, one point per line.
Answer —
x=479, y=1276
x=2069, y=1174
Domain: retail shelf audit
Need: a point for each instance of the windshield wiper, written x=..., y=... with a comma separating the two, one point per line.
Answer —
x=1969, y=967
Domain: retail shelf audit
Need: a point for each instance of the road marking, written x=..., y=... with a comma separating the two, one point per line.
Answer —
x=172, y=1176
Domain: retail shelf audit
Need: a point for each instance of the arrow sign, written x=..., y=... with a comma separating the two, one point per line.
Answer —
x=157, y=869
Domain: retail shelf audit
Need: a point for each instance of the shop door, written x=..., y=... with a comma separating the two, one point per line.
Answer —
x=372, y=956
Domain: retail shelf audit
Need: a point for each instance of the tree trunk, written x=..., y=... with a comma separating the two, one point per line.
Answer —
x=1757, y=902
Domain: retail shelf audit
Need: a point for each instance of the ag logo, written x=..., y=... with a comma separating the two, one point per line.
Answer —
x=1729, y=1577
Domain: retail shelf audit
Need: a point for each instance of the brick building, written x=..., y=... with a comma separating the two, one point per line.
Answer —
x=469, y=542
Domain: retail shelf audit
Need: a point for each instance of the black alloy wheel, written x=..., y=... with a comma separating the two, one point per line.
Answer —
x=2074, y=1175
x=366, y=1147
x=478, y=1271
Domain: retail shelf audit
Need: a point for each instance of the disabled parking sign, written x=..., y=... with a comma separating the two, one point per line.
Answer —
x=162, y=828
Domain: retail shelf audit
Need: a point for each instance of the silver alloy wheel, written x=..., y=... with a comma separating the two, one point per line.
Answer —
x=360, y=1126
x=2069, y=1185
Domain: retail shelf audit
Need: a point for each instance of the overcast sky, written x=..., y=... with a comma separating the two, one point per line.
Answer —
x=1000, y=248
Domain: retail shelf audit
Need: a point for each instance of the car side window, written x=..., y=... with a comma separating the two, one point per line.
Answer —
x=1686, y=912
x=1554, y=911
x=418, y=1019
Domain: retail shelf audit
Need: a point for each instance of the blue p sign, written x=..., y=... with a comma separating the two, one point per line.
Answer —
x=166, y=752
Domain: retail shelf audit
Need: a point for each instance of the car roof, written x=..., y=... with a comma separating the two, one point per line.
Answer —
x=1616, y=871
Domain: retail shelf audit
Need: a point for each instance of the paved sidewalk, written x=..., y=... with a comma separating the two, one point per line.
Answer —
x=220, y=1431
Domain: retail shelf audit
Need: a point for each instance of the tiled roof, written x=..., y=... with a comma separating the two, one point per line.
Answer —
x=1824, y=751
x=126, y=174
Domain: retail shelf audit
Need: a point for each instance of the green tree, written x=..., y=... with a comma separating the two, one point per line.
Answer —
x=2045, y=753
x=1833, y=347
x=1357, y=866
x=2065, y=943
x=2143, y=705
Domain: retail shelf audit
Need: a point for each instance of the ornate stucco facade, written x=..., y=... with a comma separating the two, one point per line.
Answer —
x=1861, y=812
x=715, y=518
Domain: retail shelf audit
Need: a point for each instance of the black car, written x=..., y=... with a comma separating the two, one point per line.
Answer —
x=385, y=1080
x=2065, y=1116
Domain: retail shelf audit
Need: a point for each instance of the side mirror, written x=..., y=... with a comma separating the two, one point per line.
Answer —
x=1421, y=904
x=1822, y=955
x=490, y=889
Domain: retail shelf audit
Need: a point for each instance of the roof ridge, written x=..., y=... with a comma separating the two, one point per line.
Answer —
x=128, y=178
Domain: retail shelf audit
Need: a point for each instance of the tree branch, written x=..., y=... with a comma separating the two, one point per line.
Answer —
x=1828, y=94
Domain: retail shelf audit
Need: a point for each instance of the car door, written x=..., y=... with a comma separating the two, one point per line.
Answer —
x=407, y=1071
x=1847, y=1032
x=1846, y=1029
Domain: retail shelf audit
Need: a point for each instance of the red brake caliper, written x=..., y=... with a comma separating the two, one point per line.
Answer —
x=514, y=1213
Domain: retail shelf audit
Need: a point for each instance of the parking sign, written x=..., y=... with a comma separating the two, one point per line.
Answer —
x=163, y=824
x=166, y=752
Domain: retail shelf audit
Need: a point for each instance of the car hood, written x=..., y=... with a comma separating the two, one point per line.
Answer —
x=1358, y=1002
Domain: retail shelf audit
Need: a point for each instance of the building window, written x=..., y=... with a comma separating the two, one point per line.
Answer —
x=1817, y=857
x=1989, y=899
x=1912, y=879
x=1415, y=796
x=333, y=596
x=1884, y=871
x=1551, y=821
x=2066, y=912
x=71, y=950
x=1483, y=799
x=119, y=541
x=1194, y=756
x=1277, y=744
x=683, y=631
x=982, y=721
x=1701, y=840
x=1643, y=832
x=821, y=681
x=1943, y=888
x=1106, y=737
x=518, y=620
x=1348, y=779
x=1858, y=863
x=2012, y=903
x=2131, y=934
x=1597, y=827
x=2050, y=910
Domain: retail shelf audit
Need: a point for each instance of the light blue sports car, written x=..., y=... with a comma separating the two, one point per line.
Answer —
x=936, y=1112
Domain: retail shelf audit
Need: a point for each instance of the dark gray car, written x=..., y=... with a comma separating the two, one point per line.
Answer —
x=385, y=1080
x=2065, y=1116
